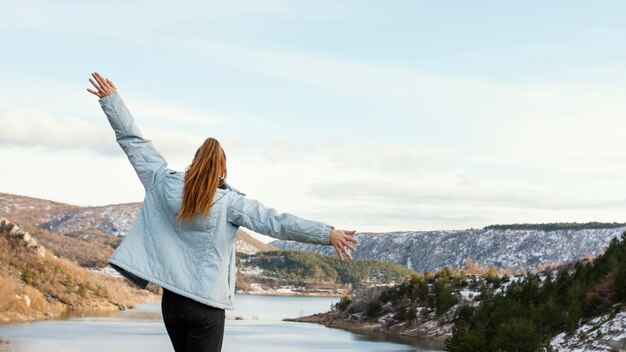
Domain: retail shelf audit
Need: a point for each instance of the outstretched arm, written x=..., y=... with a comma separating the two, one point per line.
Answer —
x=252, y=214
x=146, y=160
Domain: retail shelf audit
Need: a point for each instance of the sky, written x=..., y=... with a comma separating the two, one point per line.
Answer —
x=368, y=115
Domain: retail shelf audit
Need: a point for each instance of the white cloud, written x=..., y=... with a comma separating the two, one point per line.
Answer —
x=391, y=161
x=27, y=127
x=37, y=128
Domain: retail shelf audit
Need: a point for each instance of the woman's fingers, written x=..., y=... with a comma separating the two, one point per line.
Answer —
x=94, y=93
x=347, y=252
x=111, y=84
x=105, y=81
x=345, y=242
x=95, y=76
x=347, y=235
x=345, y=246
x=94, y=84
x=100, y=80
x=351, y=239
x=340, y=239
x=338, y=253
x=103, y=85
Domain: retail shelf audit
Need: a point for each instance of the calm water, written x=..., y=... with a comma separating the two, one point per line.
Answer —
x=142, y=329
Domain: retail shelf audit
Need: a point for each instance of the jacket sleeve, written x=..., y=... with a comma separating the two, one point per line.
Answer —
x=257, y=217
x=146, y=160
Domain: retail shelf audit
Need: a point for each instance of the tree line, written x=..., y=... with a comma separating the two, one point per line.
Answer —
x=301, y=266
x=558, y=226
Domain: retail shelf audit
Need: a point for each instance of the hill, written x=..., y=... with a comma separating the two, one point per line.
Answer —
x=29, y=210
x=302, y=272
x=36, y=284
x=579, y=306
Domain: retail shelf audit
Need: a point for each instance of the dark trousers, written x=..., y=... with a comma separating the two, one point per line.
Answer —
x=191, y=325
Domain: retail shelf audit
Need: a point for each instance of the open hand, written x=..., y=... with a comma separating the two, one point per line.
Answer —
x=103, y=85
x=340, y=240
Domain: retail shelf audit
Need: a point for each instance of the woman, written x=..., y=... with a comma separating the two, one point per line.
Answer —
x=184, y=237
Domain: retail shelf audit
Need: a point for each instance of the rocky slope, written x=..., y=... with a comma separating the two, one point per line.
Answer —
x=353, y=317
x=36, y=284
x=245, y=243
x=502, y=248
x=603, y=333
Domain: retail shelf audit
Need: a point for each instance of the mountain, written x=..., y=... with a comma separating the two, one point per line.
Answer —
x=502, y=247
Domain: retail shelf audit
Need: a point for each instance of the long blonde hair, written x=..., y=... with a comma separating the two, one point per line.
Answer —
x=203, y=176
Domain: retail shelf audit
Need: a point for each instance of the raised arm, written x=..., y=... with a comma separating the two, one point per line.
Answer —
x=146, y=160
x=257, y=217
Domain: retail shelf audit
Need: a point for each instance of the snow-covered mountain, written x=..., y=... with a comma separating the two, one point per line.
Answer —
x=502, y=248
x=112, y=219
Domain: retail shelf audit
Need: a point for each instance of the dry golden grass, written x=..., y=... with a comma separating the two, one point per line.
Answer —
x=244, y=235
x=53, y=284
x=88, y=249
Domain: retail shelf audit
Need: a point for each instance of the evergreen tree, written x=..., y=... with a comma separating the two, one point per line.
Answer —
x=530, y=312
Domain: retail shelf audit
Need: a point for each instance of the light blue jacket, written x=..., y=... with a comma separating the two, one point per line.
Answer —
x=196, y=260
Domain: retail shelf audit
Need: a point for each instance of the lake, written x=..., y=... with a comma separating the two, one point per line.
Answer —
x=262, y=329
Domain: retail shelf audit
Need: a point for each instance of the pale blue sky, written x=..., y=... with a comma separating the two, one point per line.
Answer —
x=401, y=115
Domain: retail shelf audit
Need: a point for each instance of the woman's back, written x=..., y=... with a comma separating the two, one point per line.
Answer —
x=195, y=259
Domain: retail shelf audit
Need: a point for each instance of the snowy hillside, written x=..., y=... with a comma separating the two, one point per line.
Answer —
x=112, y=219
x=502, y=248
x=603, y=333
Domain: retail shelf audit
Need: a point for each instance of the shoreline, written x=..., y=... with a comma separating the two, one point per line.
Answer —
x=284, y=294
x=408, y=335
x=65, y=312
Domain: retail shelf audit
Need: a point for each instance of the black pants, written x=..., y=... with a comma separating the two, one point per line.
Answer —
x=191, y=325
